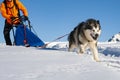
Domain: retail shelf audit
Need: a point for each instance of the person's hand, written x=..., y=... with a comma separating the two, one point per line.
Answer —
x=25, y=17
x=12, y=18
x=15, y=20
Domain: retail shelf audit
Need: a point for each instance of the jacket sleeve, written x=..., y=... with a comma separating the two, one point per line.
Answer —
x=3, y=11
x=22, y=8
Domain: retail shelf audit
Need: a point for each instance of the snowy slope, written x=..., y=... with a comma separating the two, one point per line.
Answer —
x=55, y=63
x=115, y=38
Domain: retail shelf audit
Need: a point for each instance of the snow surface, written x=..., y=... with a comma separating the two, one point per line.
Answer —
x=56, y=63
x=115, y=38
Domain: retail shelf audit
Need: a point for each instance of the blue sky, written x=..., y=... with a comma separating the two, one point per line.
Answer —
x=54, y=18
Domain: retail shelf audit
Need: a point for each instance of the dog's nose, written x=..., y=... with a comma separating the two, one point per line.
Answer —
x=96, y=35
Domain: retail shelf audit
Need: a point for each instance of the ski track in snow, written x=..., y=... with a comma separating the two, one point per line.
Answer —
x=113, y=64
x=106, y=49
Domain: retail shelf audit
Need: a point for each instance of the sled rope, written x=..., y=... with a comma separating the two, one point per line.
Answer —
x=54, y=40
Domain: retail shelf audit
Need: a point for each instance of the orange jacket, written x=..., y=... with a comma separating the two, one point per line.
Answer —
x=11, y=10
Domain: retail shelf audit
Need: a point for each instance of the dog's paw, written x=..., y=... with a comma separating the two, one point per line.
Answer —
x=79, y=52
x=97, y=59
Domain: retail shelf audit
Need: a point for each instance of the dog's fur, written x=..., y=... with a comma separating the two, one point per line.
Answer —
x=85, y=34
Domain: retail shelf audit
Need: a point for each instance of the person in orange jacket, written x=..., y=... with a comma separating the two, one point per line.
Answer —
x=10, y=11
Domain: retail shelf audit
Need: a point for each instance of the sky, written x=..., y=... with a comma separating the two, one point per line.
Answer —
x=54, y=18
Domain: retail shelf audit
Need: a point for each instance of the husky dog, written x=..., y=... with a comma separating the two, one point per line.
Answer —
x=85, y=34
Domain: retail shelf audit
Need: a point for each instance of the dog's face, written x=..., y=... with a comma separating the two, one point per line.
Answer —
x=92, y=30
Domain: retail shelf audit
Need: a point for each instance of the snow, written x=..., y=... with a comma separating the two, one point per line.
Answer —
x=56, y=63
x=115, y=38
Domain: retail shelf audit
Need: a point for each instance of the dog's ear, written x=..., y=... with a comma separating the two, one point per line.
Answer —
x=87, y=23
x=98, y=21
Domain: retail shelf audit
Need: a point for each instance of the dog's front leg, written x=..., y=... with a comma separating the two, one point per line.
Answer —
x=93, y=47
x=82, y=48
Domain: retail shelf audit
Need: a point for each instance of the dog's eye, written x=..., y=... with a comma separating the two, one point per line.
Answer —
x=98, y=30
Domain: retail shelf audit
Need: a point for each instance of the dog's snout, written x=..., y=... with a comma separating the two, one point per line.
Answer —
x=96, y=35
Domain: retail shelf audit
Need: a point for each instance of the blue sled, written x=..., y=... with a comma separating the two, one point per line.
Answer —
x=30, y=37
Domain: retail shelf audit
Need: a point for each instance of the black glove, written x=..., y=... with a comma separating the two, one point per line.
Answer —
x=25, y=17
x=12, y=18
